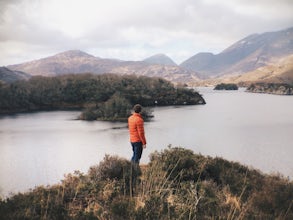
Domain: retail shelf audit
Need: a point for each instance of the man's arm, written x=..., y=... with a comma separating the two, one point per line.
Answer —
x=140, y=130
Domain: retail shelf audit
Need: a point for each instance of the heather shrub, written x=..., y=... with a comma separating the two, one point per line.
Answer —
x=112, y=167
x=179, y=163
x=175, y=184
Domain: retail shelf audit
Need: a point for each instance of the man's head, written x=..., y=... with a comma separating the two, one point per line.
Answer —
x=137, y=108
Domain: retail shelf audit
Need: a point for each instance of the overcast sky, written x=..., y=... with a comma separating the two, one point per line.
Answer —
x=133, y=29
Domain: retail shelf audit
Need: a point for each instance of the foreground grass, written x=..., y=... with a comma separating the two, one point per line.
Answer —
x=176, y=184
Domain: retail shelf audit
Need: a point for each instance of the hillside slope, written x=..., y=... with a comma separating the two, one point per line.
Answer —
x=248, y=54
x=279, y=71
x=9, y=76
x=175, y=184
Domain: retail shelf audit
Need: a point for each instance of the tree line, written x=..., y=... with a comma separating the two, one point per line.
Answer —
x=271, y=88
x=226, y=86
x=106, y=96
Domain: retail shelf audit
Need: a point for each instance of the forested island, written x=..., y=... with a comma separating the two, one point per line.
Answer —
x=226, y=86
x=271, y=88
x=175, y=184
x=101, y=97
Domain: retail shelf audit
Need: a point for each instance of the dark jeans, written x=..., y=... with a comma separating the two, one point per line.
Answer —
x=137, y=151
x=135, y=170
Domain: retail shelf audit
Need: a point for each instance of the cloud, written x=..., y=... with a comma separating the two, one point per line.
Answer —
x=130, y=29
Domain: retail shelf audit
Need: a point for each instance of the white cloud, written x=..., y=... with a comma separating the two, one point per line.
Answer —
x=131, y=29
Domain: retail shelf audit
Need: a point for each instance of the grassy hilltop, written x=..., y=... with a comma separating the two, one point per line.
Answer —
x=175, y=184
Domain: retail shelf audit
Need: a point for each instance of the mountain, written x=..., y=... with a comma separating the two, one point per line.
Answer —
x=280, y=71
x=9, y=76
x=248, y=54
x=173, y=73
x=160, y=59
x=75, y=61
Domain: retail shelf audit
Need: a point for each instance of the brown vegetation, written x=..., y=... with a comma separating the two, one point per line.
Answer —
x=176, y=184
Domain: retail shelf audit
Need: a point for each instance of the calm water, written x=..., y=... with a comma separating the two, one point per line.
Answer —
x=254, y=129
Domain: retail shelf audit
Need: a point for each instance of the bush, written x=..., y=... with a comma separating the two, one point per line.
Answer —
x=228, y=86
x=179, y=163
x=122, y=208
x=112, y=167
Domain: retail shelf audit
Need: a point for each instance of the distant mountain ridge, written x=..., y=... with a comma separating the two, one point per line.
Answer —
x=9, y=76
x=75, y=61
x=72, y=61
x=160, y=59
x=245, y=55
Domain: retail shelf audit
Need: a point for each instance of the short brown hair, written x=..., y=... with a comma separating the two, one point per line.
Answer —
x=137, y=108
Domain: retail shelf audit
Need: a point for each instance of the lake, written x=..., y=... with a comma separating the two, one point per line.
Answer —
x=253, y=129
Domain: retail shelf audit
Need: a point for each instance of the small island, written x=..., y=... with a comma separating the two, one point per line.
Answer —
x=107, y=97
x=271, y=88
x=226, y=86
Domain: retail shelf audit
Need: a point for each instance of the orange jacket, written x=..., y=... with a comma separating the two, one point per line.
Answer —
x=136, y=128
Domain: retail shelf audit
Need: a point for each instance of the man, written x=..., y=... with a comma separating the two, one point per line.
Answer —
x=136, y=132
